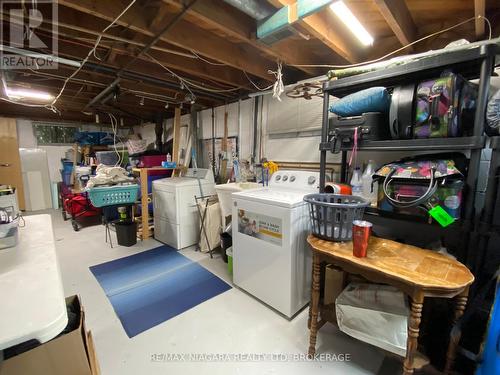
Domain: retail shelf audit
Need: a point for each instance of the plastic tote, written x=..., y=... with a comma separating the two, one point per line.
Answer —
x=376, y=314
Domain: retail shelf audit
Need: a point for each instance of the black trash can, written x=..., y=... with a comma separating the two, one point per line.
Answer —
x=226, y=241
x=126, y=233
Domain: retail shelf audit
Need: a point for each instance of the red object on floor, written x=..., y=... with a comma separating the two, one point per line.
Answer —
x=79, y=205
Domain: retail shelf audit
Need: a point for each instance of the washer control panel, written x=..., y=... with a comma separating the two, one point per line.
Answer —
x=301, y=180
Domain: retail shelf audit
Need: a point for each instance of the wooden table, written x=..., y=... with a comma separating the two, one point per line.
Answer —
x=417, y=272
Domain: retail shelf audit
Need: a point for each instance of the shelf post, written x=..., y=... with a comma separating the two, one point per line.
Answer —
x=324, y=138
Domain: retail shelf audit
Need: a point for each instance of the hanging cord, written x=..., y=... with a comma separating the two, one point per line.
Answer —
x=397, y=50
x=91, y=52
x=114, y=127
x=354, y=152
x=278, y=87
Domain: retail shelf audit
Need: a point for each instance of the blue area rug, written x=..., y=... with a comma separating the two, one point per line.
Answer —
x=151, y=287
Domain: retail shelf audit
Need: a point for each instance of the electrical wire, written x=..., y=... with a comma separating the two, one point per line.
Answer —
x=92, y=51
x=254, y=85
x=205, y=60
x=397, y=50
x=114, y=127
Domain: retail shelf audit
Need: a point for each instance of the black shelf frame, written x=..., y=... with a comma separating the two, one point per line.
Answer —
x=450, y=144
x=475, y=62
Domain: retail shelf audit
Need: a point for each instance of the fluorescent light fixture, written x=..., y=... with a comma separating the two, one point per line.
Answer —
x=350, y=20
x=28, y=94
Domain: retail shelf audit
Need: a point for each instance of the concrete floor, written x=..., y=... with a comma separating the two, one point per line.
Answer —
x=232, y=322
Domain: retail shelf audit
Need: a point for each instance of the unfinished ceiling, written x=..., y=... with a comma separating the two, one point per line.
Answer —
x=206, y=52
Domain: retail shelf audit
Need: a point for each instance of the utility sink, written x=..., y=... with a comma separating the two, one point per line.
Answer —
x=224, y=192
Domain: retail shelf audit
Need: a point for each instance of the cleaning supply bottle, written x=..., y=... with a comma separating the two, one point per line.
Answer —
x=357, y=182
x=370, y=191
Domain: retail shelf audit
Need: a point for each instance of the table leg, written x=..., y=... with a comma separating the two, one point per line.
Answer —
x=460, y=303
x=413, y=331
x=314, y=306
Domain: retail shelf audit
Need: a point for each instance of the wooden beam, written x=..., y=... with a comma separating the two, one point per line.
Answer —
x=183, y=34
x=177, y=134
x=399, y=19
x=479, y=11
x=238, y=25
x=319, y=27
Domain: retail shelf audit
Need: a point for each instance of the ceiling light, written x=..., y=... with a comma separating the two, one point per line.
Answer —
x=350, y=20
x=141, y=102
x=28, y=94
x=166, y=105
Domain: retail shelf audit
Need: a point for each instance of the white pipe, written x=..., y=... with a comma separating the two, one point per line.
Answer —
x=37, y=55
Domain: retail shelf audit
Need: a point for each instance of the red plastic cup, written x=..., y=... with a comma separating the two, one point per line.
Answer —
x=361, y=231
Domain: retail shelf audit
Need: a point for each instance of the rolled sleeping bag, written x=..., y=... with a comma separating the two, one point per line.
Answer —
x=373, y=99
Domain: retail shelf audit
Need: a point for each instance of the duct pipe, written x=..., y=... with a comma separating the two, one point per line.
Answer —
x=256, y=9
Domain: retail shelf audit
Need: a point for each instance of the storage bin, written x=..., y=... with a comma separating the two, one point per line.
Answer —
x=107, y=157
x=66, y=177
x=101, y=196
x=148, y=161
x=67, y=165
x=332, y=215
x=229, y=253
x=9, y=234
x=126, y=233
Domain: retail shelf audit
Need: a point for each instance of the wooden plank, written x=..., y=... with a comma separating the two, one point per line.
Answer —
x=10, y=160
x=71, y=22
x=183, y=34
x=479, y=11
x=321, y=29
x=75, y=161
x=397, y=15
x=240, y=26
x=223, y=169
x=177, y=133
x=146, y=233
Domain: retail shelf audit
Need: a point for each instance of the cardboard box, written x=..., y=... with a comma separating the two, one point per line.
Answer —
x=70, y=353
x=334, y=283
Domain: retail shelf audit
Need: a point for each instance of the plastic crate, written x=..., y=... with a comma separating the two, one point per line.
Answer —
x=102, y=196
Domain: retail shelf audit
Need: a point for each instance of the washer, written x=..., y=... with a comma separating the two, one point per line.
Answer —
x=175, y=214
x=271, y=260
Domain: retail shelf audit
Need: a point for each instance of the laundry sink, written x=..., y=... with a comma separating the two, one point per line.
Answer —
x=224, y=192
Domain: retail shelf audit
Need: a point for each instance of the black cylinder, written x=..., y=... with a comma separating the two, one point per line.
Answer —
x=126, y=233
x=226, y=241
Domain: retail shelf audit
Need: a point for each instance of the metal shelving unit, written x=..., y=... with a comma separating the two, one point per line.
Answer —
x=475, y=62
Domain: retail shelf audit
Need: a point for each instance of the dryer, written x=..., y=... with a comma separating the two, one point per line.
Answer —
x=176, y=218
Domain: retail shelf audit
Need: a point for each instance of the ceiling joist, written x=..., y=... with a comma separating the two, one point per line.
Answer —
x=399, y=19
x=183, y=34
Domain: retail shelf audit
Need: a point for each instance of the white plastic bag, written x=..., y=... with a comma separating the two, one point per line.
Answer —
x=376, y=314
